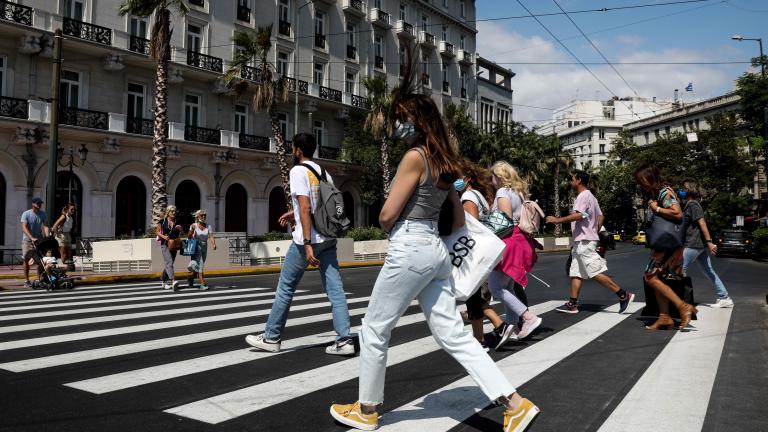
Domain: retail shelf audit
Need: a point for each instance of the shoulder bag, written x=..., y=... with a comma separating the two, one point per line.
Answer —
x=662, y=234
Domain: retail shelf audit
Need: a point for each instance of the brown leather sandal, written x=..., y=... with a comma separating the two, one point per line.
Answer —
x=686, y=313
x=664, y=322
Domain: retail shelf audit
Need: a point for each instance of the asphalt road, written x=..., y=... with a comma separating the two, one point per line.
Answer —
x=132, y=357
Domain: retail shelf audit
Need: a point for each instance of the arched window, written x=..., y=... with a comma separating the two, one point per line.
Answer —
x=187, y=200
x=130, y=207
x=236, y=209
x=277, y=206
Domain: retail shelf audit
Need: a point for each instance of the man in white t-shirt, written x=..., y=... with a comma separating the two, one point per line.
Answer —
x=308, y=247
x=586, y=263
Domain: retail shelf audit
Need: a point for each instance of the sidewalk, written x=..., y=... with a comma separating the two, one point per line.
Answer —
x=14, y=279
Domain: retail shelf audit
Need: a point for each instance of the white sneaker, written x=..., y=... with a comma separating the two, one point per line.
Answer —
x=263, y=343
x=343, y=347
x=166, y=285
x=528, y=327
x=722, y=303
x=175, y=285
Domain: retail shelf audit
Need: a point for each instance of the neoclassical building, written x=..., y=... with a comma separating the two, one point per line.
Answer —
x=221, y=154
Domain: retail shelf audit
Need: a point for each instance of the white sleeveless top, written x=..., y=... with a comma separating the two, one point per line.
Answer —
x=66, y=227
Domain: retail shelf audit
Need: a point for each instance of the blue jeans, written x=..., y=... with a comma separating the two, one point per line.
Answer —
x=702, y=257
x=418, y=266
x=290, y=275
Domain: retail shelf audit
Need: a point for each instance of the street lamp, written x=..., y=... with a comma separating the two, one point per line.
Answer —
x=296, y=70
x=83, y=155
x=760, y=42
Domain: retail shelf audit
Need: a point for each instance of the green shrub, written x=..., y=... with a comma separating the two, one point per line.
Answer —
x=367, y=233
x=760, y=239
x=270, y=236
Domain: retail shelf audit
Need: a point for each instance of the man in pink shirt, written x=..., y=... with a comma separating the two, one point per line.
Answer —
x=586, y=220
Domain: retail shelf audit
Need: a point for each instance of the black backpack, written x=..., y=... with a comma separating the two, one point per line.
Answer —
x=329, y=218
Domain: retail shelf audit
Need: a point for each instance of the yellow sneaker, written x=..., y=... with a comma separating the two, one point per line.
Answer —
x=519, y=419
x=352, y=415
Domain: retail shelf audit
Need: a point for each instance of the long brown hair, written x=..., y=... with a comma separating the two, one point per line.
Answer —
x=651, y=175
x=410, y=104
x=478, y=178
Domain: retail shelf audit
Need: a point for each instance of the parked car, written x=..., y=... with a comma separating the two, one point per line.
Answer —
x=639, y=238
x=734, y=242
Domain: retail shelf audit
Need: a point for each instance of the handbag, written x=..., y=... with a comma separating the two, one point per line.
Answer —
x=662, y=234
x=174, y=244
x=474, y=251
x=499, y=223
x=189, y=247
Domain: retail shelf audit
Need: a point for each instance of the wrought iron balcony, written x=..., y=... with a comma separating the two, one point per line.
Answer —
x=200, y=3
x=465, y=57
x=319, y=41
x=356, y=7
x=13, y=107
x=358, y=101
x=83, y=118
x=204, y=61
x=202, y=135
x=380, y=18
x=405, y=29
x=446, y=48
x=351, y=52
x=463, y=93
x=303, y=85
x=378, y=62
x=140, y=126
x=329, y=152
x=243, y=13
x=330, y=94
x=254, y=142
x=87, y=31
x=251, y=73
x=139, y=45
x=16, y=13
x=426, y=39
x=446, y=87
x=284, y=28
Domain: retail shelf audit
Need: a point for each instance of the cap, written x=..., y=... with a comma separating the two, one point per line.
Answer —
x=37, y=200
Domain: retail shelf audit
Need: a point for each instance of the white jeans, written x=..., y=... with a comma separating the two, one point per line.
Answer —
x=417, y=266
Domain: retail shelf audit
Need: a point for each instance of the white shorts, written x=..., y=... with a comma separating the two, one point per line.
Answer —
x=586, y=262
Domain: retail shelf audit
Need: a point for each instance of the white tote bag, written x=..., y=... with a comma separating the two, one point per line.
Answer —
x=474, y=252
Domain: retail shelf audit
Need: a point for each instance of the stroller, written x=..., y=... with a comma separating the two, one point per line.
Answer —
x=53, y=276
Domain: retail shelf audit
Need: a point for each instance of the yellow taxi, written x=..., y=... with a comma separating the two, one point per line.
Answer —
x=617, y=237
x=639, y=238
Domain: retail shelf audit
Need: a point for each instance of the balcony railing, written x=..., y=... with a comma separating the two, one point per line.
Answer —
x=16, y=13
x=446, y=87
x=357, y=101
x=13, y=107
x=446, y=48
x=139, y=45
x=354, y=6
x=204, y=61
x=380, y=17
x=140, y=126
x=319, y=41
x=329, y=152
x=404, y=29
x=303, y=85
x=378, y=62
x=427, y=39
x=251, y=73
x=463, y=93
x=284, y=27
x=83, y=118
x=330, y=94
x=351, y=52
x=202, y=135
x=87, y=31
x=243, y=13
x=254, y=142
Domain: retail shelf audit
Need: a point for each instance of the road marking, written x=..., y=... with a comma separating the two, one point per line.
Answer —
x=446, y=407
x=25, y=343
x=677, y=386
x=164, y=312
x=139, y=297
x=156, y=344
x=79, y=291
x=247, y=400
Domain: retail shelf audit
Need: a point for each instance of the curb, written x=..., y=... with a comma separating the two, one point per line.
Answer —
x=141, y=277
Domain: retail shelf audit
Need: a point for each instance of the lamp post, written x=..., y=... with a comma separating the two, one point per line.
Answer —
x=477, y=98
x=83, y=155
x=296, y=70
x=760, y=42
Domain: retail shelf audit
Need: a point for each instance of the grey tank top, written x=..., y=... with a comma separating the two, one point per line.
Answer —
x=427, y=198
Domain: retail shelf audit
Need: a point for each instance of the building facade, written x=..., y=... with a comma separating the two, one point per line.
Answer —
x=494, y=99
x=587, y=127
x=221, y=153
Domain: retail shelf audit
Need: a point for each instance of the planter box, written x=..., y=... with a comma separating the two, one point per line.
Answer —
x=371, y=250
x=273, y=253
x=144, y=255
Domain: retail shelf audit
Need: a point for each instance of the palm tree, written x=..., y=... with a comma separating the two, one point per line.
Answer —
x=378, y=104
x=269, y=88
x=160, y=51
x=557, y=159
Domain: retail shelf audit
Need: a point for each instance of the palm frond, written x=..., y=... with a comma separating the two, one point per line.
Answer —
x=141, y=8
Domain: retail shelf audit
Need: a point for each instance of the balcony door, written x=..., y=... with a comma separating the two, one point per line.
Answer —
x=192, y=110
x=139, y=26
x=136, y=97
x=70, y=89
x=74, y=9
x=194, y=37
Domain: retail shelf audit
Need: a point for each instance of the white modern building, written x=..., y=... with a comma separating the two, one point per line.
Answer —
x=221, y=154
x=586, y=127
x=494, y=94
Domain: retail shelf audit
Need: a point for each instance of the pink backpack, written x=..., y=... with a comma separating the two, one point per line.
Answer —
x=530, y=217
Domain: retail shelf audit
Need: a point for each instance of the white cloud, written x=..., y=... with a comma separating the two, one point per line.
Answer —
x=556, y=85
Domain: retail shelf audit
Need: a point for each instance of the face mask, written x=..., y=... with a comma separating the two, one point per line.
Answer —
x=682, y=194
x=459, y=185
x=405, y=130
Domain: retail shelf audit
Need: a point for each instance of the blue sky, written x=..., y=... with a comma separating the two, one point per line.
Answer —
x=693, y=32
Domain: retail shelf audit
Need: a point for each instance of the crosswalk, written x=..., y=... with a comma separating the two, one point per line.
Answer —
x=180, y=357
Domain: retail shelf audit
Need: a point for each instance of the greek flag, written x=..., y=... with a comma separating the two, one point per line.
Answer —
x=689, y=87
